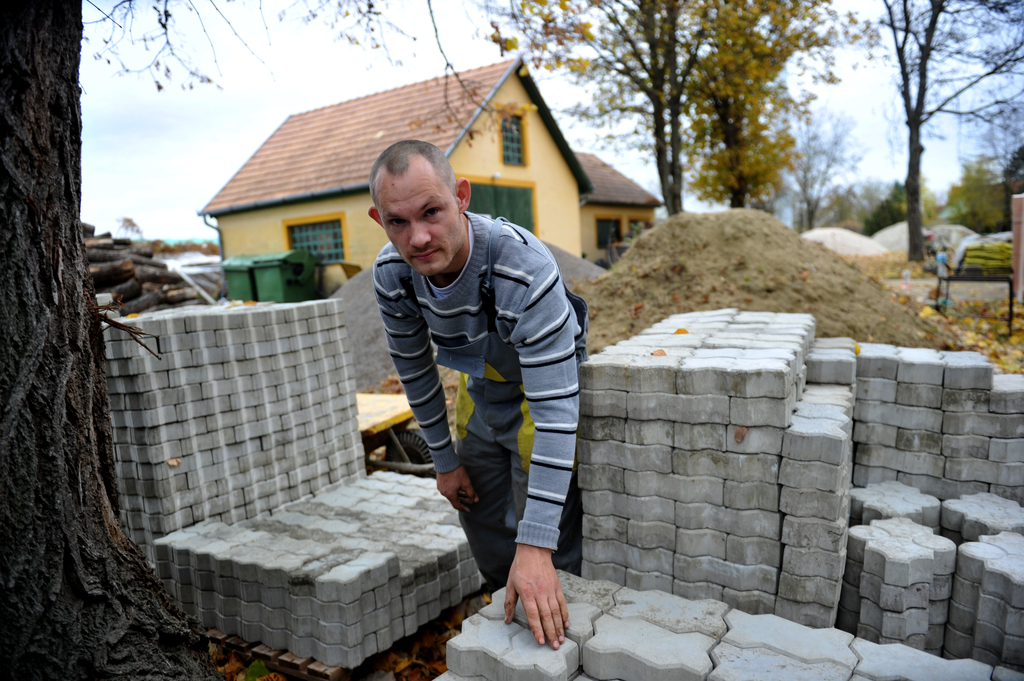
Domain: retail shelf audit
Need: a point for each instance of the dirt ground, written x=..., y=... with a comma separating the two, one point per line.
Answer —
x=748, y=260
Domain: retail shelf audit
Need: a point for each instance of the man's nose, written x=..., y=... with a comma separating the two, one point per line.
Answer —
x=419, y=235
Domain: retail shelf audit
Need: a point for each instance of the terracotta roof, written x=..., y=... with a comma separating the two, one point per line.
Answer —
x=611, y=186
x=331, y=150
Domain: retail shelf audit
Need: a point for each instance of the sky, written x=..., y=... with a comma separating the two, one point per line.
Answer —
x=160, y=156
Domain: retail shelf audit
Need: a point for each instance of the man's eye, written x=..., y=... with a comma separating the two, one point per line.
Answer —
x=431, y=212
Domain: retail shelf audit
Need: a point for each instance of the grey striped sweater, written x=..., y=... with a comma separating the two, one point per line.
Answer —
x=533, y=316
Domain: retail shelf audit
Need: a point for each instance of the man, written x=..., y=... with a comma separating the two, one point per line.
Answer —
x=490, y=296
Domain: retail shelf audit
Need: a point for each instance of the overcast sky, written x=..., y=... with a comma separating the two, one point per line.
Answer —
x=158, y=157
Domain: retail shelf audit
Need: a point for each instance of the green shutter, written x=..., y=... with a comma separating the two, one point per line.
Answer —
x=512, y=203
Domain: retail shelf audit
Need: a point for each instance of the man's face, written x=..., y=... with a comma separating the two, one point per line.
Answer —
x=423, y=219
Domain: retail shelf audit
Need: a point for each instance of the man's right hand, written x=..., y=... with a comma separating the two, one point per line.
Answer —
x=451, y=483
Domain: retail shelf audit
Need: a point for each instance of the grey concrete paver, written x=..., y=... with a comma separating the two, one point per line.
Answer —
x=635, y=650
x=901, y=663
x=763, y=664
x=678, y=615
x=790, y=639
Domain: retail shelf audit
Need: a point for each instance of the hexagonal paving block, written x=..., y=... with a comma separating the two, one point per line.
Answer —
x=979, y=514
x=508, y=652
x=894, y=500
x=909, y=554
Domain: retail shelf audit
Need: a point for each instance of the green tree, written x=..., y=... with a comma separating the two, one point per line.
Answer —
x=891, y=210
x=696, y=78
x=977, y=202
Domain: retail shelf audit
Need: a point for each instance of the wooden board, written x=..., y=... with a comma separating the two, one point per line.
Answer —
x=377, y=413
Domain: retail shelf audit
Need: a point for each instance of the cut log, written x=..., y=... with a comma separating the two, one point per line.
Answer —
x=142, y=303
x=109, y=255
x=179, y=295
x=99, y=242
x=112, y=273
x=144, y=252
x=129, y=290
x=156, y=275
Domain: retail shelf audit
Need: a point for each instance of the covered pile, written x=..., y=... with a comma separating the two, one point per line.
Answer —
x=844, y=242
x=748, y=260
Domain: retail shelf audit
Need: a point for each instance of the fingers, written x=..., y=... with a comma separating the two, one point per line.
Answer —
x=510, y=602
x=467, y=487
x=563, y=607
x=548, y=623
x=534, y=620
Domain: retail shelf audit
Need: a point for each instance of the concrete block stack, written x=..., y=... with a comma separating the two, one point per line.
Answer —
x=891, y=499
x=681, y=431
x=630, y=636
x=939, y=422
x=905, y=582
x=970, y=517
x=247, y=408
x=814, y=483
x=986, y=614
x=336, y=577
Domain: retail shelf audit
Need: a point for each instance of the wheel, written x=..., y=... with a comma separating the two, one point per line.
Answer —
x=414, y=445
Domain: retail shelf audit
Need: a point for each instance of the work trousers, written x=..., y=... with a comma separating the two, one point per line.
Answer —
x=491, y=526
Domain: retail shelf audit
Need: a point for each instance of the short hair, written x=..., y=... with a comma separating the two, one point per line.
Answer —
x=395, y=160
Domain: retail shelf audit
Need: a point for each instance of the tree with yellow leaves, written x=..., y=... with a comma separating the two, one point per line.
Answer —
x=654, y=65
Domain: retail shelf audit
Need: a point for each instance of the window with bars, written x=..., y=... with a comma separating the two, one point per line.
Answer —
x=512, y=141
x=322, y=239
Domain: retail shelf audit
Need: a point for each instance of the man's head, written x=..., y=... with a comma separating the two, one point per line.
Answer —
x=419, y=203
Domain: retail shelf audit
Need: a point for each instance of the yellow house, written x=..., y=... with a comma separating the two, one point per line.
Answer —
x=615, y=208
x=306, y=187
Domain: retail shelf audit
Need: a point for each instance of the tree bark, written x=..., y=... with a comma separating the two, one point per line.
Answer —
x=915, y=251
x=79, y=600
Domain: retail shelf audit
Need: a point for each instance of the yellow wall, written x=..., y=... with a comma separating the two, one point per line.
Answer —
x=556, y=195
x=555, y=191
x=266, y=231
x=590, y=213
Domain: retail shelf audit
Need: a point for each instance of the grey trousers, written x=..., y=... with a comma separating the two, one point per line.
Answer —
x=492, y=524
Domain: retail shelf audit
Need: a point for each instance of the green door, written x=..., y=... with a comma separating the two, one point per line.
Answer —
x=513, y=203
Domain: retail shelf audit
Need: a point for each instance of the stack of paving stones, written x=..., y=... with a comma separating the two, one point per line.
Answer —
x=905, y=577
x=681, y=437
x=970, y=517
x=939, y=422
x=619, y=633
x=247, y=408
x=986, y=615
x=879, y=501
x=892, y=499
x=814, y=483
x=336, y=577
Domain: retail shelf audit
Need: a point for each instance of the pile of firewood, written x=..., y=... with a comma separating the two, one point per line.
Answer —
x=133, y=277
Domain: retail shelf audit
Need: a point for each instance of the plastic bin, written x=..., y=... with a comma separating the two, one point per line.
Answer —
x=240, y=277
x=288, y=277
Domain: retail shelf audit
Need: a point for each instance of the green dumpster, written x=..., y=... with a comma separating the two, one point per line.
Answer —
x=239, y=275
x=288, y=277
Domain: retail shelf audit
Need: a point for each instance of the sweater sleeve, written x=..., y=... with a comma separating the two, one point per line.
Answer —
x=544, y=336
x=410, y=347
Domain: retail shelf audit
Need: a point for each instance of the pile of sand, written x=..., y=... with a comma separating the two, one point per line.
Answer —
x=366, y=330
x=844, y=242
x=748, y=260
x=897, y=237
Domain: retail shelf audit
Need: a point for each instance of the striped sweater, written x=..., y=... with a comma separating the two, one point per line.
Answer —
x=534, y=317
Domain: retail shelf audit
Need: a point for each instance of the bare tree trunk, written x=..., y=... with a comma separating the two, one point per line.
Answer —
x=79, y=599
x=915, y=251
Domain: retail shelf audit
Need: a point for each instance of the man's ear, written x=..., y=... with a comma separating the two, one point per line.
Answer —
x=375, y=214
x=462, y=193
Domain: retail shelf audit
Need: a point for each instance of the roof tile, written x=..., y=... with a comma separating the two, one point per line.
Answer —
x=611, y=186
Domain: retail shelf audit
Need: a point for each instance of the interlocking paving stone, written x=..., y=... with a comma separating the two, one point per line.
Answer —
x=635, y=650
x=897, y=662
x=894, y=500
x=979, y=514
x=762, y=664
x=788, y=638
x=678, y=615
